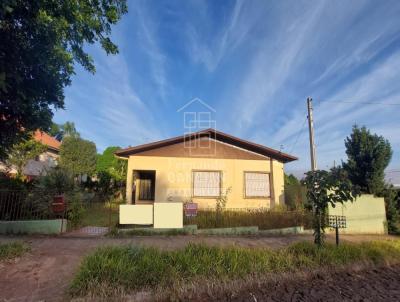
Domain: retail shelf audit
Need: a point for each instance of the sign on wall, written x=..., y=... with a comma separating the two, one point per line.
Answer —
x=190, y=209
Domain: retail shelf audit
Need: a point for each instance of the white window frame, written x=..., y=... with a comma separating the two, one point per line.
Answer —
x=194, y=183
x=245, y=194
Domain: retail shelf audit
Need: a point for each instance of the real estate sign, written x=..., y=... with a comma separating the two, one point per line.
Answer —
x=190, y=209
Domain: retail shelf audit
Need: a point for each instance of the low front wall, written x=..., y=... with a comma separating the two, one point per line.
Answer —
x=168, y=215
x=161, y=215
x=366, y=215
x=141, y=214
x=53, y=226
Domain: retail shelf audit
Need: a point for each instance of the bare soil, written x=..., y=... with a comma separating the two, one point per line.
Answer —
x=45, y=273
x=366, y=284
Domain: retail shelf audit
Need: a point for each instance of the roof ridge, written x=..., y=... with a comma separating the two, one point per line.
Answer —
x=219, y=136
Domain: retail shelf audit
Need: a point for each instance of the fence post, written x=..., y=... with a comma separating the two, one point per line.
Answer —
x=62, y=220
x=109, y=215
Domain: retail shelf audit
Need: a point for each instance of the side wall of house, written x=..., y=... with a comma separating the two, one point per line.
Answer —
x=174, y=179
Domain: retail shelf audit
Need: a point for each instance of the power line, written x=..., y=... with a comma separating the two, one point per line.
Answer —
x=361, y=103
x=298, y=135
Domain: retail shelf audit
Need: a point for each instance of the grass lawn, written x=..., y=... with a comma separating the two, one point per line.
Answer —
x=122, y=269
x=98, y=214
x=12, y=250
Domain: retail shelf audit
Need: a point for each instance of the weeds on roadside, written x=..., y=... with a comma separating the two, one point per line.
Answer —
x=12, y=250
x=114, y=232
x=135, y=268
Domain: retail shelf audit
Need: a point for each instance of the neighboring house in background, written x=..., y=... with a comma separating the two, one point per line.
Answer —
x=201, y=166
x=44, y=161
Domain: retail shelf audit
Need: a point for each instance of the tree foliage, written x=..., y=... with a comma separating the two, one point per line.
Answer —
x=109, y=163
x=59, y=131
x=111, y=172
x=40, y=42
x=295, y=193
x=56, y=180
x=22, y=152
x=368, y=156
x=78, y=156
x=392, y=199
x=326, y=188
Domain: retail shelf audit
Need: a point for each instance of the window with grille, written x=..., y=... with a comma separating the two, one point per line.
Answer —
x=206, y=183
x=256, y=184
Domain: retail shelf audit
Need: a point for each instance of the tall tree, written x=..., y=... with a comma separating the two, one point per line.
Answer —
x=40, y=41
x=78, y=156
x=109, y=163
x=368, y=156
x=69, y=130
x=54, y=130
x=295, y=193
x=59, y=131
x=22, y=152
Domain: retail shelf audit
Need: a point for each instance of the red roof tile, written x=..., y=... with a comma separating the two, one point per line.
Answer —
x=47, y=140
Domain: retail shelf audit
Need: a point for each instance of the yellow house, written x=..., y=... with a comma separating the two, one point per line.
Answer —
x=204, y=166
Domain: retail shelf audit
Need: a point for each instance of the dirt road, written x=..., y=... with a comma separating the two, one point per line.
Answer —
x=374, y=284
x=45, y=273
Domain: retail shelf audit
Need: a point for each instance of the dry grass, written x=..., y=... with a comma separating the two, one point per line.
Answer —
x=264, y=219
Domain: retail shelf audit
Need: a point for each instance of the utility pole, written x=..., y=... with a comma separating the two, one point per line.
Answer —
x=311, y=132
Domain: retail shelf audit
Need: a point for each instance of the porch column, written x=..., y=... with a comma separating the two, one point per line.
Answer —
x=129, y=177
x=272, y=187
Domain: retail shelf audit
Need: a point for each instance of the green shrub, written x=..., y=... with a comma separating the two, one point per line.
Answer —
x=134, y=268
x=75, y=208
x=13, y=184
x=56, y=180
x=12, y=250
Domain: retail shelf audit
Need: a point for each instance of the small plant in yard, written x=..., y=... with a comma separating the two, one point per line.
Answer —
x=129, y=268
x=221, y=204
x=76, y=209
x=324, y=188
x=12, y=250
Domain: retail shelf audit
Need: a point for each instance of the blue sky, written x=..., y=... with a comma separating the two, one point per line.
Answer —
x=255, y=62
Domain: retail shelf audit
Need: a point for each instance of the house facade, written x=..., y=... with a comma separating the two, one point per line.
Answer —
x=204, y=167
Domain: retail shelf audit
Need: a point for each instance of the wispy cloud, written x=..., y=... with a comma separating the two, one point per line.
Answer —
x=333, y=119
x=270, y=68
x=148, y=41
x=255, y=62
x=111, y=112
x=225, y=38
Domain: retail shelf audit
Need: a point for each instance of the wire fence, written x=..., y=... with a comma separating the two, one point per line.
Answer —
x=89, y=209
x=79, y=207
x=32, y=205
